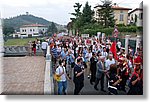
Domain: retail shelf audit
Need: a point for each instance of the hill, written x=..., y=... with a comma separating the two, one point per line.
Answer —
x=20, y=20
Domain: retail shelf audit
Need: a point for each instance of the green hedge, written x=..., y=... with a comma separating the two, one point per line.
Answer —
x=108, y=31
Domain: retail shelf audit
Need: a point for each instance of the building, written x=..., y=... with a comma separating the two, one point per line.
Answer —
x=16, y=35
x=120, y=14
x=32, y=30
x=136, y=16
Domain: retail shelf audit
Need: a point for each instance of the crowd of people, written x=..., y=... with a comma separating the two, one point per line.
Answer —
x=75, y=58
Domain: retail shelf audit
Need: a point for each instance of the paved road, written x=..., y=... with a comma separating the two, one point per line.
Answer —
x=23, y=75
x=88, y=89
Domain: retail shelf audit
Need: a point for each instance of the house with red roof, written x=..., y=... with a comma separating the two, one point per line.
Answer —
x=32, y=30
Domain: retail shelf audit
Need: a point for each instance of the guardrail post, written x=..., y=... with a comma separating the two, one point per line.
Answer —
x=126, y=43
x=138, y=39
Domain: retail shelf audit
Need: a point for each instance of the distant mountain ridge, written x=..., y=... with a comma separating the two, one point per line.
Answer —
x=20, y=20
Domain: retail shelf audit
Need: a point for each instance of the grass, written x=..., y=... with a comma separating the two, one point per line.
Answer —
x=18, y=42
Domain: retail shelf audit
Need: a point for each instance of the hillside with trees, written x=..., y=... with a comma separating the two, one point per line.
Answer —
x=12, y=24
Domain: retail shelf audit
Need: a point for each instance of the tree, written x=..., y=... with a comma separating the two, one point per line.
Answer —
x=8, y=30
x=87, y=15
x=105, y=15
x=52, y=28
x=77, y=13
x=77, y=20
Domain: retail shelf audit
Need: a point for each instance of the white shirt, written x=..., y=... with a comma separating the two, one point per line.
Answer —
x=108, y=63
x=58, y=49
x=129, y=64
x=44, y=45
x=57, y=42
x=119, y=44
x=60, y=70
x=88, y=55
x=104, y=54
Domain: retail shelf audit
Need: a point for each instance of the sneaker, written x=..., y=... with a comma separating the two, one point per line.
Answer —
x=88, y=77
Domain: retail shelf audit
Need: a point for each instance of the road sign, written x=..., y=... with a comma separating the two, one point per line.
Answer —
x=115, y=32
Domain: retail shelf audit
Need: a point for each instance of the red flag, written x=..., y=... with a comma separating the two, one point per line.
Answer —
x=114, y=50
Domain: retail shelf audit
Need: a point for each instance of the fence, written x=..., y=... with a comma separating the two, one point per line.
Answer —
x=48, y=82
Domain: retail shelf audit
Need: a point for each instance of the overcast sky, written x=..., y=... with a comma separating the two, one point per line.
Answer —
x=52, y=10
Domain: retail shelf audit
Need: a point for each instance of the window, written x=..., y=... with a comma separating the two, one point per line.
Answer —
x=30, y=30
x=43, y=29
x=22, y=30
x=121, y=17
x=132, y=17
x=23, y=34
x=33, y=29
x=36, y=34
x=141, y=15
x=25, y=30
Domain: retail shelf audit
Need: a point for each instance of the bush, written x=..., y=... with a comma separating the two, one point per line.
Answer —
x=121, y=25
x=108, y=31
x=140, y=29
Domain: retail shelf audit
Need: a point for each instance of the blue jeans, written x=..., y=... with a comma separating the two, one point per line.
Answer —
x=62, y=86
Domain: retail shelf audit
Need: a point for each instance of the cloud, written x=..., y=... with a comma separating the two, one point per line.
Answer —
x=53, y=10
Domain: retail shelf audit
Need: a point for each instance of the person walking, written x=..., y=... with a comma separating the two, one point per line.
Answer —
x=70, y=63
x=78, y=77
x=54, y=55
x=44, y=47
x=93, y=61
x=113, y=80
x=34, y=48
x=100, y=72
x=136, y=82
x=62, y=83
x=30, y=48
x=88, y=57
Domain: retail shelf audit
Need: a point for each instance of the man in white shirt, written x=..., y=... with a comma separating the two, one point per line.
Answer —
x=62, y=83
x=109, y=62
x=44, y=47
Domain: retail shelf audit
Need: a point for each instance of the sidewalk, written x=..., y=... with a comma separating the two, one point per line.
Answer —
x=23, y=75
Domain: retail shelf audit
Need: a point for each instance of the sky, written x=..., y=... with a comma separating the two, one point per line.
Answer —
x=57, y=11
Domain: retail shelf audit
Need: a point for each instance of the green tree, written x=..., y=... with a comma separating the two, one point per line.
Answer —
x=77, y=20
x=105, y=15
x=8, y=30
x=87, y=15
x=52, y=28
